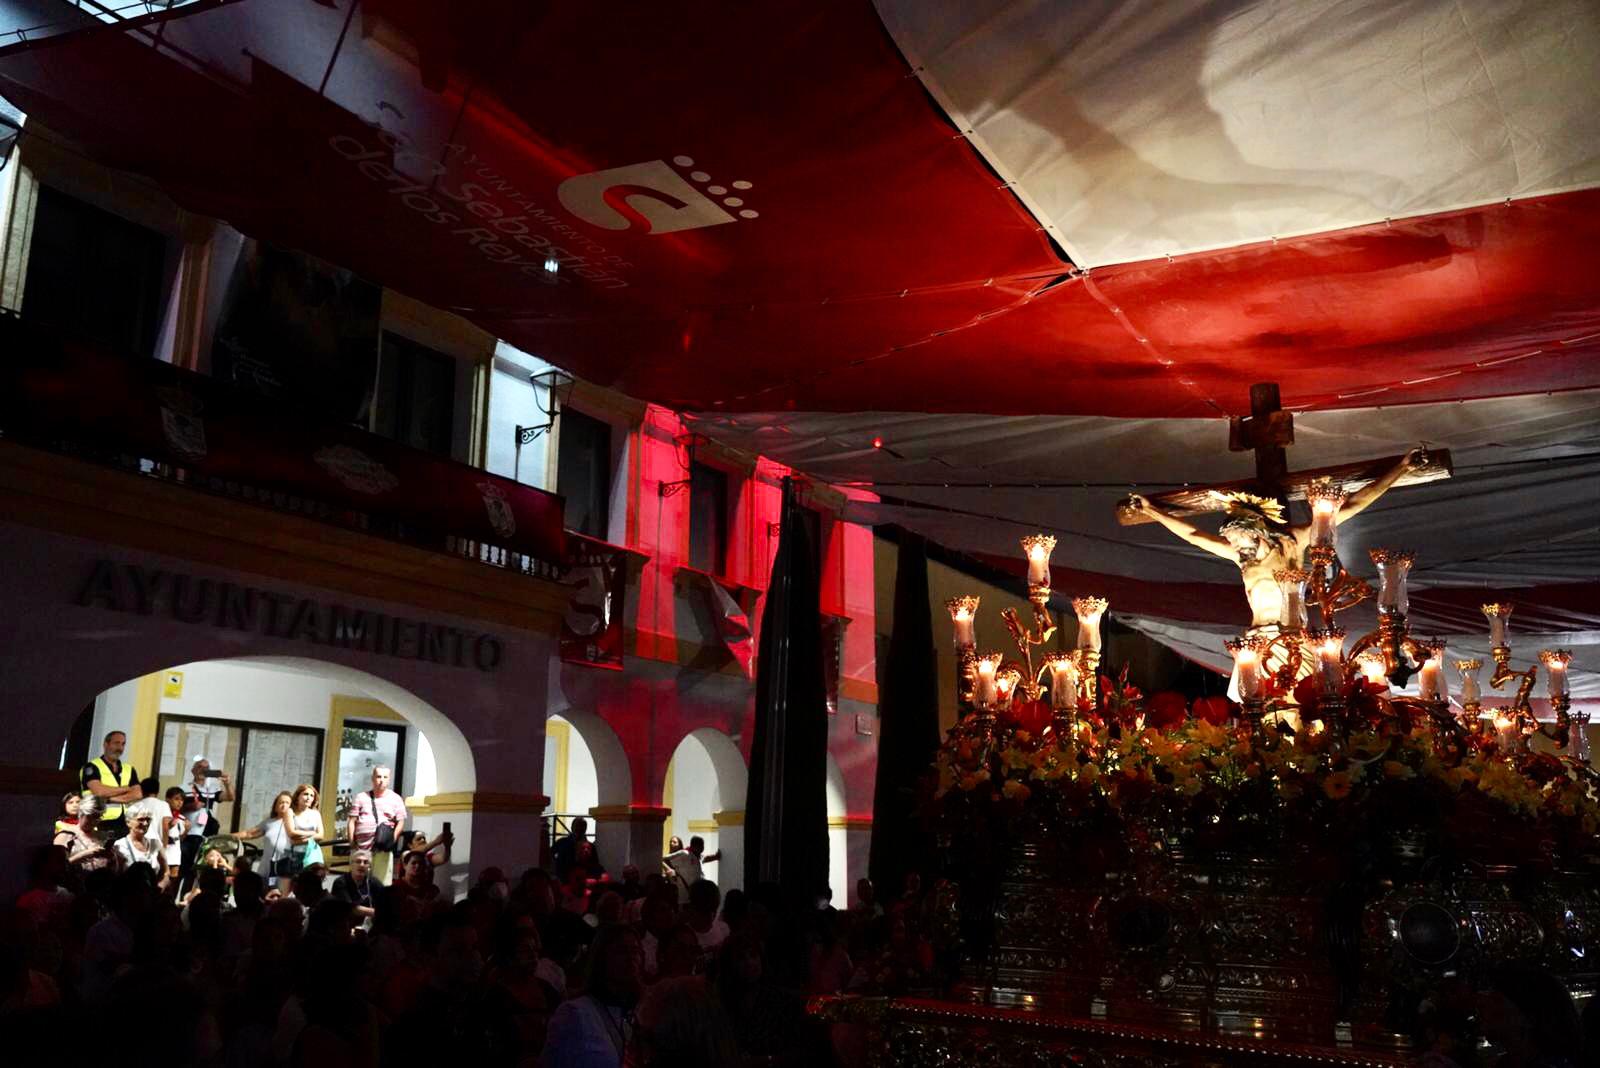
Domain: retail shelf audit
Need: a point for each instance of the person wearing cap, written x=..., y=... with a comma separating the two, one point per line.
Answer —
x=204, y=792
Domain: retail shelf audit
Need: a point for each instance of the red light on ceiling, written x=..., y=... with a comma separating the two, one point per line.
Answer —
x=877, y=443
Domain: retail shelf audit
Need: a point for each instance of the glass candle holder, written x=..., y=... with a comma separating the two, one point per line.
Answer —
x=1325, y=500
x=1089, y=611
x=986, y=691
x=1330, y=659
x=1432, y=684
x=1247, y=667
x=1063, y=680
x=1037, y=548
x=1292, y=597
x=1471, y=692
x=1499, y=616
x=1005, y=687
x=1373, y=667
x=963, y=620
x=1393, y=566
x=1555, y=663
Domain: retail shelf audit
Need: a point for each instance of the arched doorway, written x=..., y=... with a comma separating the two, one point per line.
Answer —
x=705, y=788
x=275, y=722
x=586, y=773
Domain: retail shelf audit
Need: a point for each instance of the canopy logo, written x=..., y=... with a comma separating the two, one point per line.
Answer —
x=653, y=197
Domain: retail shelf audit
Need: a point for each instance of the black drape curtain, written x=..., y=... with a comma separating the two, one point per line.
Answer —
x=908, y=726
x=786, y=810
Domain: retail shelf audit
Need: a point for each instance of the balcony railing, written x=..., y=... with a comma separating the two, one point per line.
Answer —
x=157, y=421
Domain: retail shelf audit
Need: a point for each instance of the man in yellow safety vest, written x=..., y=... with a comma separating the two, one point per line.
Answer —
x=113, y=782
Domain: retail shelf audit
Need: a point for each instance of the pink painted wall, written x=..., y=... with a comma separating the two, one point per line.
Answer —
x=655, y=702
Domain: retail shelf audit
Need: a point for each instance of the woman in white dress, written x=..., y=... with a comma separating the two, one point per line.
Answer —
x=308, y=820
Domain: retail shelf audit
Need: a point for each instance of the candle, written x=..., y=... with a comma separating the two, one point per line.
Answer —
x=1428, y=683
x=1374, y=667
x=1393, y=566
x=1005, y=684
x=1498, y=615
x=1432, y=684
x=1246, y=667
x=1038, y=548
x=988, y=668
x=1506, y=731
x=1063, y=681
x=963, y=618
x=1330, y=661
x=1470, y=691
x=1089, y=610
x=1325, y=502
x=1292, y=597
x=1555, y=663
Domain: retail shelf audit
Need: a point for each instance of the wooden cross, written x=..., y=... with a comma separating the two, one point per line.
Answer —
x=1266, y=430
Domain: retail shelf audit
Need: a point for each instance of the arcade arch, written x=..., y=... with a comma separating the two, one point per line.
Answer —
x=273, y=722
x=704, y=788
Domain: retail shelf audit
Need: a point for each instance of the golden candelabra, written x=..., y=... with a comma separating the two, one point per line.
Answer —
x=989, y=683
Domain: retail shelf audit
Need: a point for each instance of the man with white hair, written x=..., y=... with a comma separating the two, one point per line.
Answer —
x=377, y=817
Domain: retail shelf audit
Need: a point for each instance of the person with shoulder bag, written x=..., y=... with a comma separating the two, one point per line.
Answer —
x=283, y=849
x=377, y=818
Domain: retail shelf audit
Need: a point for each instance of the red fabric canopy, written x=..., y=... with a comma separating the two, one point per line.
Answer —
x=767, y=212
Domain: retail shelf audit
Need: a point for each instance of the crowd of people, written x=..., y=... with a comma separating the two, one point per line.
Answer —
x=272, y=960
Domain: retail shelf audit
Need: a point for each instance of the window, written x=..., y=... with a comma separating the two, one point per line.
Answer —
x=416, y=399
x=262, y=759
x=94, y=274
x=708, y=518
x=583, y=472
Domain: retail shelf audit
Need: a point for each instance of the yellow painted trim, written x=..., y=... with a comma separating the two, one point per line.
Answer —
x=859, y=690
x=703, y=826
x=629, y=813
x=68, y=496
x=343, y=706
x=850, y=823
x=560, y=731
x=729, y=818
x=146, y=709
x=471, y=802
x=666, y=803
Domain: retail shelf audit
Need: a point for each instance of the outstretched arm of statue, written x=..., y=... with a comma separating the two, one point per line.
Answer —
x=1364, y=498
x=1190, y=533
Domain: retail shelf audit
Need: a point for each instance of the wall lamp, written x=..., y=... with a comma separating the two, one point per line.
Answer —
x=557, y=394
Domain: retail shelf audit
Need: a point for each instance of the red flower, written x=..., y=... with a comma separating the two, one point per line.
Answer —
x=1166, y=709
x=1031, y=716
x=1307, y=694
x=1213, y=709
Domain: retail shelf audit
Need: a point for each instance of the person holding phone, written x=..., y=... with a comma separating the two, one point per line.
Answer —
x=207, y=788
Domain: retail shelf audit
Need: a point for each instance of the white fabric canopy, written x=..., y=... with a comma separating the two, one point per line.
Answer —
x=1136, y=129
x=1522, y=509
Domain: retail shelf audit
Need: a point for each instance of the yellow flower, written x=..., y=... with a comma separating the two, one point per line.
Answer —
x=1015, y=790
x=1396, y=770
x=1022, y=737
x=1337, y=785
x=1089, y=773
x=969, y=783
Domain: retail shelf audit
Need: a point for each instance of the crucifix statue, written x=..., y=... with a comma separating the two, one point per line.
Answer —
x=1257, y=535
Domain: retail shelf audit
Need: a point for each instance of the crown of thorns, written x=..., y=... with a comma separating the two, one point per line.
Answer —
x=1250, y=508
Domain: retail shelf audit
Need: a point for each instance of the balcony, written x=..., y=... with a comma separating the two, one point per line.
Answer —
x=142, y=454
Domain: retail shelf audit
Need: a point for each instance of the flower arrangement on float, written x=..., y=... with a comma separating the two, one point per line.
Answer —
x=1333, y=752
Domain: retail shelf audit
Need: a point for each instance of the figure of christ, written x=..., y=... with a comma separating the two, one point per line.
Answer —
x=1260, y=542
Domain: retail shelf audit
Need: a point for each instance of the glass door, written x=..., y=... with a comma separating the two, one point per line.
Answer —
x=365, y=745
